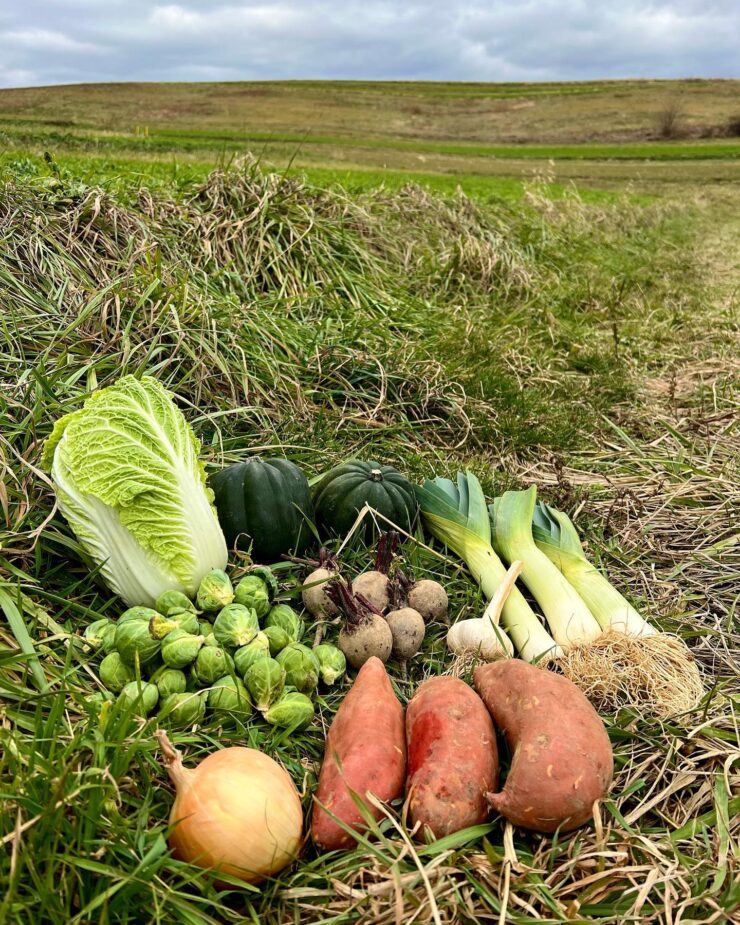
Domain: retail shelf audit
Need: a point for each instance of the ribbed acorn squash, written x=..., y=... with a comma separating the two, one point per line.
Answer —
x=343, y=492
x=265, y=503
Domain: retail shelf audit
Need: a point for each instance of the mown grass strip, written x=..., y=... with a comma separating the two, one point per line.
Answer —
x=193, y=139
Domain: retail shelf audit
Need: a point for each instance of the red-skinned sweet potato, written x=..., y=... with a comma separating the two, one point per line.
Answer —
x=365, y=753
x=562, y=759
x=452, y=757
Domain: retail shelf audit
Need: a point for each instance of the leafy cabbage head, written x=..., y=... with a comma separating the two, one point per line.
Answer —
x=129, y=480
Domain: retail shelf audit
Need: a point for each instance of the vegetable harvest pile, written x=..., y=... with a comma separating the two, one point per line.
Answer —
x=239, y=606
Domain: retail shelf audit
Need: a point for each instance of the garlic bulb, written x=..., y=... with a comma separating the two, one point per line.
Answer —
x=482, y=636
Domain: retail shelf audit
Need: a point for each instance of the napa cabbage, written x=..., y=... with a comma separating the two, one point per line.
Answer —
x=129, y=480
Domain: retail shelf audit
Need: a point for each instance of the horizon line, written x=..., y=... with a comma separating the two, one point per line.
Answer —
x=380, y=81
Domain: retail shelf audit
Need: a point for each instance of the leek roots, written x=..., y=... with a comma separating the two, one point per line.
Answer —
x=653, y=671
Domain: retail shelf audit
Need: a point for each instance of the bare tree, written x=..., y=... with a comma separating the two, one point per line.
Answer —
x=670, y=117
x=732, y=129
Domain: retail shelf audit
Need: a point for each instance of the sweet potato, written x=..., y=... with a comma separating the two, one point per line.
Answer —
x=561, y=756
x=452, y=757
x=365, y=753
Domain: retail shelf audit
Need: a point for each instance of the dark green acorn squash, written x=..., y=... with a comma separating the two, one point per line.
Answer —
x=264, y=504
x=341, y=494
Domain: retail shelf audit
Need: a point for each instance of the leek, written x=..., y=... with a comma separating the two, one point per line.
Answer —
x=556, y=537
x=631, y=662
x=570, y=621
x=456, y=515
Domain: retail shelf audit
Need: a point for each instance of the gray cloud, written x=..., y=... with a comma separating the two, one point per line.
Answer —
x=72, y=41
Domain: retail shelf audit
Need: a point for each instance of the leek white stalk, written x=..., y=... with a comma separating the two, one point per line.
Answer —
x=456, y=515
x=570, y=621
x=557, y=538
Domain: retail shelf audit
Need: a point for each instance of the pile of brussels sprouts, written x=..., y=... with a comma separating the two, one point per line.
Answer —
x=232, y=651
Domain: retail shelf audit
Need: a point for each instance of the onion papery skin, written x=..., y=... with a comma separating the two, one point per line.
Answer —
x=238, y=812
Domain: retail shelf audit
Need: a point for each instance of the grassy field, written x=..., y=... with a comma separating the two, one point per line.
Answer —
x=483, y=113
x=584, y=337
x=600, y=135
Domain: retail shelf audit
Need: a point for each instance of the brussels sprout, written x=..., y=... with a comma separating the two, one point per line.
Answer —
x=184, y=709
x=136, y=614
x=205, y=628
x=277, y=638
x=100, y=635
x=268, y=576
x=140, y=696
x=258, y=648
x=265, y=681
x=332, y=663
x=180, y=648
x=235, y=626
x=215, y=591
x=287, y=619
x=211, y=640
x=172, y=603
x=229, y=695
x=294, y=710
x=169, y=681
x=160, y=626
x=133, y=641
x=252, y=592
x=185, y=620
x=211, y=664
x=115, y=673
x=301, y=667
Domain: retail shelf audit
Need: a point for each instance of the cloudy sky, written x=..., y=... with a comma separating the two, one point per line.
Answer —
x=71, y=41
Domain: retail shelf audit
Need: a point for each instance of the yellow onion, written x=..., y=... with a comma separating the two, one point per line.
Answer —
x=238, y=811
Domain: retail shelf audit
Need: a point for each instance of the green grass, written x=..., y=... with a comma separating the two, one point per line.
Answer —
x=119, y=173
x=599, y=173
x=194, y=141
x=480, y=188
x=561, y=341
x=677, y=150
x=182, y=173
